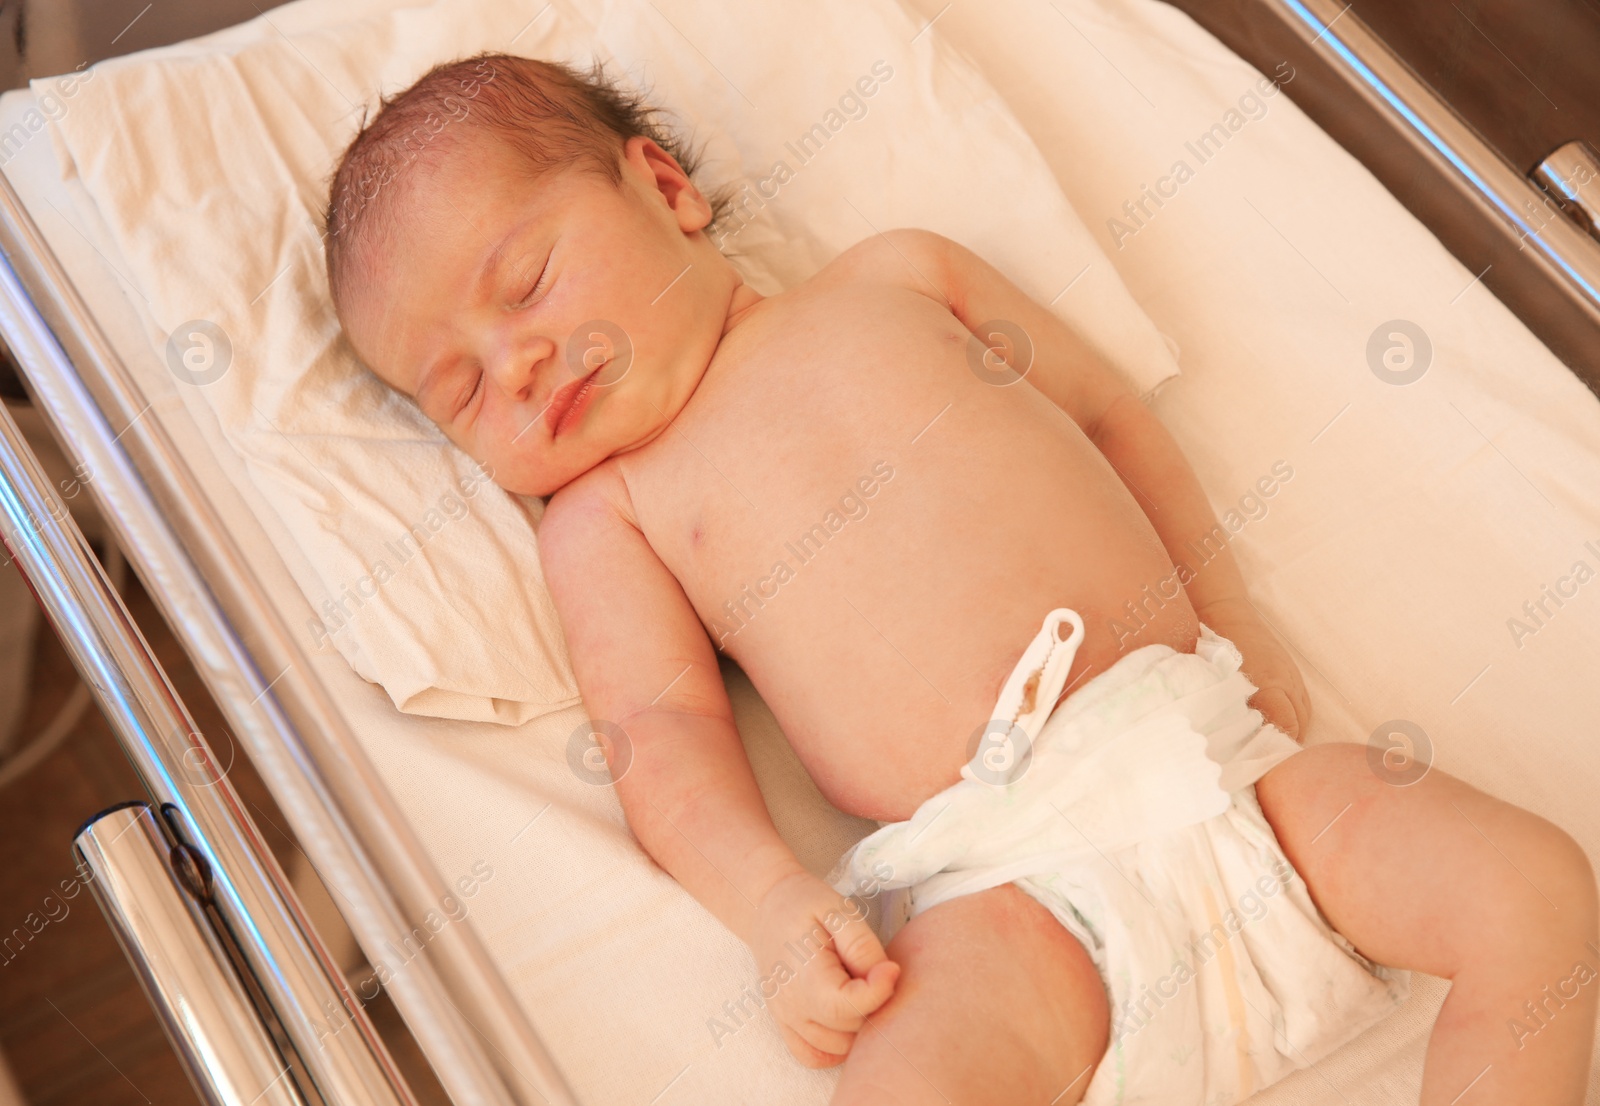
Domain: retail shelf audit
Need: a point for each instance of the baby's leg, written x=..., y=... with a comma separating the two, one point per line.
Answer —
x=1439, y=877
x=996, y=1004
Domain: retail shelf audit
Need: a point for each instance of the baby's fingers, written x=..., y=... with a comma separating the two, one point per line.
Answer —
x=809, y=1054
x=844, y=1003
x=858, y=947
x=863, y=996
x=872, y=974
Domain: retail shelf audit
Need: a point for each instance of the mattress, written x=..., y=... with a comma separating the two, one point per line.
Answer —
x=1424, y=519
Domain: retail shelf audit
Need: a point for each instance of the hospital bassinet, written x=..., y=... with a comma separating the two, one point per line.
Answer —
x=1434, y=496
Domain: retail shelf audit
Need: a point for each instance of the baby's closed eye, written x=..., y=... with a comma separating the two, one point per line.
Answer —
x=466, y=401
x=536, y=291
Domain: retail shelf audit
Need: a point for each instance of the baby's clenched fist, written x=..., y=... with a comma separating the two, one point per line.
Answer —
x=828, y=965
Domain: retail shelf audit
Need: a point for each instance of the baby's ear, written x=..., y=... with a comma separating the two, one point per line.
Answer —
x=683, y=198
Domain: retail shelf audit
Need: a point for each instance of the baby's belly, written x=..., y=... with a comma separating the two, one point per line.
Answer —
x=882, y=645
x=876, y=548
x=883, y=666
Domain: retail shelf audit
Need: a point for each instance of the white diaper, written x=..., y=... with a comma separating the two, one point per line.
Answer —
x=1130, y=812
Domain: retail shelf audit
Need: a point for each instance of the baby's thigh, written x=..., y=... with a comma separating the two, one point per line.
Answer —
x=1429, y=875
x=996, y=1003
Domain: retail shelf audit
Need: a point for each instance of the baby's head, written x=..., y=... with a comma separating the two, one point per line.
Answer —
x=508, y=235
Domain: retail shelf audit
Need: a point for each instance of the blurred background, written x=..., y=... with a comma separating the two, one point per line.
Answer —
x=40, y=38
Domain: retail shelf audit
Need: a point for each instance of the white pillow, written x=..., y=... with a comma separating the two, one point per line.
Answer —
x=208, y=162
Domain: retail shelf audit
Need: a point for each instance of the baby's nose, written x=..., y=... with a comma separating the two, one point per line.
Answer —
x=514, y=377
x=518, y=366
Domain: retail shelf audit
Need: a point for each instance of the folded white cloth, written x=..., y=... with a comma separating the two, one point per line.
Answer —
x=207, y=164
x=1130, y=812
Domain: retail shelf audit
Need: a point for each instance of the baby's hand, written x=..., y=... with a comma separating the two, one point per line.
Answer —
x=1281, y=696
x=828, y=966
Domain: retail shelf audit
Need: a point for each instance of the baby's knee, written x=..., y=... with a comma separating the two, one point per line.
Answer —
x=1545, y=903
x=1574, y=890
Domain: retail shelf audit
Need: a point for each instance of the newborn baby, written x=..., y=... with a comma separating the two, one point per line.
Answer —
x=940, y=534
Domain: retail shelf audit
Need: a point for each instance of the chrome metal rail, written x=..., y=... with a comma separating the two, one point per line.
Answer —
x=159, y=918
x=1511, y=234
x=1378, y=75
x=459, y=1009
x=177, y=766
x=1571, y=173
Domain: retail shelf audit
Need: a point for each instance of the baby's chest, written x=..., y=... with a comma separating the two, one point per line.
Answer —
x=739, y=495
x=801, y=434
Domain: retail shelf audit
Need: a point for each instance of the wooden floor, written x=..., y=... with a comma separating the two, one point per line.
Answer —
x=74, y=1025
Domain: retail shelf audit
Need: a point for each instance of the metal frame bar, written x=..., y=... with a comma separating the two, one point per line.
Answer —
x=159, y=918
x=457, y=1006
x=176, y=765
x=1365, y=97
x=1501, y=191
x=1571, y=173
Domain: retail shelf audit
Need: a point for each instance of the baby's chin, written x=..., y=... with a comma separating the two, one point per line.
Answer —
x=608, y=429
x=544, y=480
x=533, y=488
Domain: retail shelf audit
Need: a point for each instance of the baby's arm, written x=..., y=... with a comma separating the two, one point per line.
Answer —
x=644, y=663
x=1068, y=371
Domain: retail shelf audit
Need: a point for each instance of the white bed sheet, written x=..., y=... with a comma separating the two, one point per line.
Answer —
x=1419, y=520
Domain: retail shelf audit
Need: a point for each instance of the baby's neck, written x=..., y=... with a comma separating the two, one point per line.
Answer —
x=743, y=299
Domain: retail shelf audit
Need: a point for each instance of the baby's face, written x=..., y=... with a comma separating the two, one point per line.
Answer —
x=545, y=324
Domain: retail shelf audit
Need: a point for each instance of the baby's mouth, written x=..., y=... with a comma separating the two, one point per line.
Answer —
x=569, y=402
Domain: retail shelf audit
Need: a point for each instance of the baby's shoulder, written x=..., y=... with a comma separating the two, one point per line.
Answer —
x=904, y=257
x=596, y=496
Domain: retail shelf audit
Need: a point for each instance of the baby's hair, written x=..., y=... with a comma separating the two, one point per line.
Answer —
x=550, y=114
